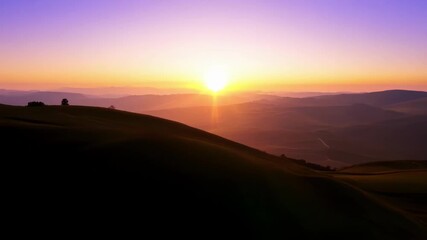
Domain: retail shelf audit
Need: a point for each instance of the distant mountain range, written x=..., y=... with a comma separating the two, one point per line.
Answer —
x=335, y=130
x=133, y=103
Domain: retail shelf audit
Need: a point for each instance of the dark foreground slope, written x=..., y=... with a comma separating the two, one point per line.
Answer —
x=74, y=168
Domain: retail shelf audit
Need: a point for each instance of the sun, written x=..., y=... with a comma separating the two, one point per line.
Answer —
x=216, y=79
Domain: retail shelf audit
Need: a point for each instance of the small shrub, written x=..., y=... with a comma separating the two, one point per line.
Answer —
x=35, y=104
x=64, y=102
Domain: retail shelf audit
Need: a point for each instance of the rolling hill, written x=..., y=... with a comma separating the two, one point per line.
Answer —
x=93, y=166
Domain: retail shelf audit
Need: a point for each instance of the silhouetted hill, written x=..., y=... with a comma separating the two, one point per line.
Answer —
x=92, y=166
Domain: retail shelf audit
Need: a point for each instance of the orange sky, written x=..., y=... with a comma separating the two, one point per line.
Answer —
x=280, y=46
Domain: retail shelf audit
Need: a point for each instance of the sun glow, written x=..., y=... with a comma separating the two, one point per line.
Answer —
x=216, y=79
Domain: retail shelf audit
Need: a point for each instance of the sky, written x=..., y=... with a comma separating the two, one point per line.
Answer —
x=264, y=45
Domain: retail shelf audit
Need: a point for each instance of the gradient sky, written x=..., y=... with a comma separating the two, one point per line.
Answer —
x=328, y=45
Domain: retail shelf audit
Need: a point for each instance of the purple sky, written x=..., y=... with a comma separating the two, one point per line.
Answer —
x=323, y=44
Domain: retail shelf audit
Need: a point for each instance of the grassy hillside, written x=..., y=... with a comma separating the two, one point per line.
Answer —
x=90, y=166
